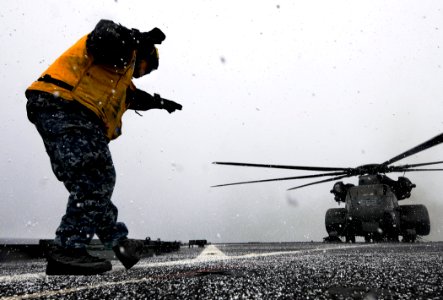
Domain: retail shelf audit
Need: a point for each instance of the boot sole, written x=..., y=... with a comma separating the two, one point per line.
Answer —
x=56, y=268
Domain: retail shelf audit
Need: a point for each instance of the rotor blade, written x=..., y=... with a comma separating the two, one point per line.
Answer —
x=281, y=179
x=307, y=168
x=416, y=170
x=403, y=168
x=428, y=144
x=321, y=181
x=418, y=165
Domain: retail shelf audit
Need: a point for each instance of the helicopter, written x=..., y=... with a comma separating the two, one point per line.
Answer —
x=371, y=208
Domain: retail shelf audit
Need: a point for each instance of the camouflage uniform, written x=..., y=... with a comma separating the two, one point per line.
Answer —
x=77, y=146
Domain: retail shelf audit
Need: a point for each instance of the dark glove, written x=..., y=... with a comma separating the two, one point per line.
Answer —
x=169, y=105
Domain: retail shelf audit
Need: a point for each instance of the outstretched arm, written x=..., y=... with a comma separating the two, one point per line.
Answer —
x=140, y=100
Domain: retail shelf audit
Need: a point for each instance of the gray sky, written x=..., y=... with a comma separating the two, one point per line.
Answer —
x=326, y=83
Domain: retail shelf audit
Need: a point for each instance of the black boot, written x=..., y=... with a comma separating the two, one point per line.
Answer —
x=65, y=261
x=128, y=252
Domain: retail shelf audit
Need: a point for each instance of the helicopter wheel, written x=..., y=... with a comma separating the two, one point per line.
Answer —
x=391, y=223
x=392, y=238
x=392, y=235
x=350, y=238
x=409, y=238
x=377, y=238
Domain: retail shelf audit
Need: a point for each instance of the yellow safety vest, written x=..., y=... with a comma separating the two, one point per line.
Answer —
x=101, y=88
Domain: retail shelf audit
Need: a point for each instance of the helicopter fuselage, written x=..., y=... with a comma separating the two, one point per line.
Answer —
x=372, y=210
x=370, y=202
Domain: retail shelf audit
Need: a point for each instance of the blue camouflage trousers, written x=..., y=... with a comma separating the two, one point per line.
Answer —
x=78, y=150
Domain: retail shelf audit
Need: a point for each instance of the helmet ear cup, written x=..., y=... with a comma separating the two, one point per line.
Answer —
x=147, y=59
x=146, y=47
x=152, y=58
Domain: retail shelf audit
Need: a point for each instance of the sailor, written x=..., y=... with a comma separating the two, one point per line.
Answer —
x=77, y=106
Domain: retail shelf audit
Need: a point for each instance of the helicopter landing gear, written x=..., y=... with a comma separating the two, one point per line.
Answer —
x=350, y=238
x=379, y=237
x=373, y=237
x=393, y=238
x=409, y=239
x=410, y=236
x=391, y=223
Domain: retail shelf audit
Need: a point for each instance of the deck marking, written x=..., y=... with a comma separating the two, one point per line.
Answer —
x=210, y=252
x=212, y=255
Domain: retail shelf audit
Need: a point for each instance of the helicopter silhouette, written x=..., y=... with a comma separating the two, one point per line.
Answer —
x=371, y=208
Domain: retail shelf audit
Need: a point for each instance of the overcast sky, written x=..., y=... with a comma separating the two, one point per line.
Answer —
x=324, y=83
